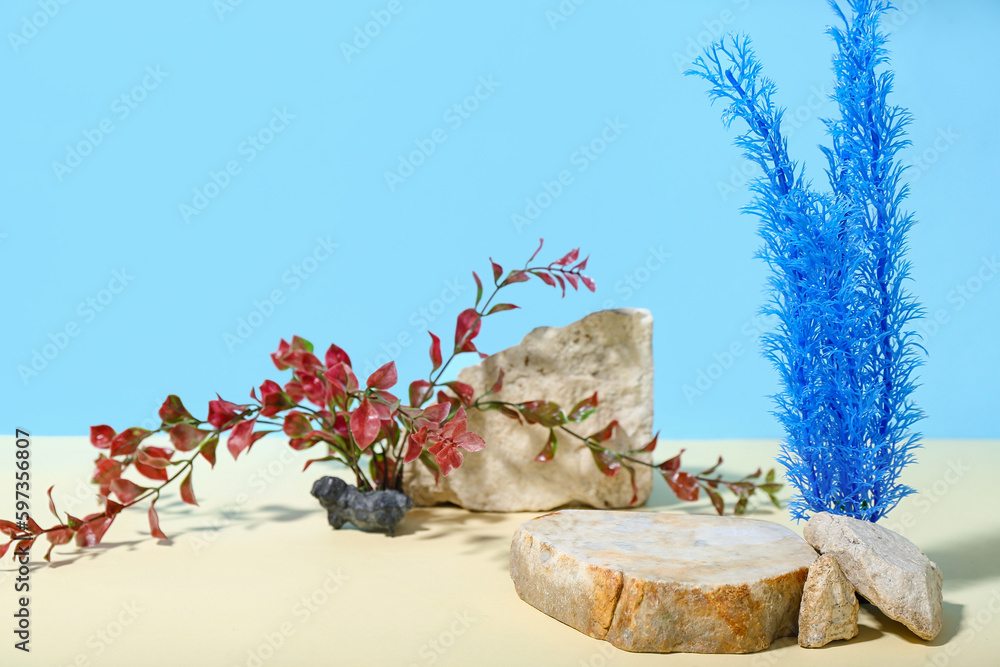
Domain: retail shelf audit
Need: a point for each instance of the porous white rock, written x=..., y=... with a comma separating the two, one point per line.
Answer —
x=885, y=567
x=658, y=582
x=610, y=352
x=829, y=608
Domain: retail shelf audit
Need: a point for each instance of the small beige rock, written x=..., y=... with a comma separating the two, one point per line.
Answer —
x=610, y=352
x=829, y=608
x=885, y=567
x=660, y=583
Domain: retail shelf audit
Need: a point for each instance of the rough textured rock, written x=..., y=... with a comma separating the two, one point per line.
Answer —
x=829, y=608
x=372, y=511
x=610, y=352
x=655, y=582
x=885, y=567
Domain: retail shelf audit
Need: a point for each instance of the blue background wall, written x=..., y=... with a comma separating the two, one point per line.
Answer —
x=161, y=96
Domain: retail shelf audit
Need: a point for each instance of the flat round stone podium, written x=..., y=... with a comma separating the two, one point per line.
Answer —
x=654, y=582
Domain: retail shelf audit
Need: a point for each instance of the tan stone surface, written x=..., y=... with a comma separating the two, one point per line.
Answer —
x=829, y=608
x=611, y=352
x=885, y=567
x=658, y=582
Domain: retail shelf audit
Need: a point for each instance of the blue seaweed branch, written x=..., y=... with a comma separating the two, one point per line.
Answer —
x=843, y=347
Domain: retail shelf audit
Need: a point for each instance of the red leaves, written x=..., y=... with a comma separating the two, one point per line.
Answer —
x=299, y=355
x=111, y=508
x=222, y=413
x=348, y=420
x=33, y=527
x=548, y=279
x=296, y=425
x=466, y=329
x=57, y=537
x=681, y=483
x=273, y=400
x=335, y=356
x=314, y=388
x=497, y=271
x=541, y=242
x=651, y=445
x=545, y=413
x=568, y=258
x=498, y=385
x=155, y=457
x=606, y=462
x=173, y=411
x=415, y=445
x=516, y=277
x=583, y=409
x=154, y=523
x=185, y=437
x=384, y=378
x=556, y=273
x=101, y=436
x=479, y=288
x=152, y=461
x=243, y=436
x=420, y=391
x=207, y=450
x=549, y=451
x=452, y=437
x=500, y=307
x=436, y=413
x=187, y=490
x=126, y=442
x=606, y=433
x=365, y=423
x=52, y=503
x=435, y=351
x=127, y=491
x=9, y=528
x=93, y=530
x=107, y=471
x=466, y=394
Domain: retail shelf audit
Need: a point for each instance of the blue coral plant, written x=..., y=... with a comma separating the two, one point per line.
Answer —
x=844, y=346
